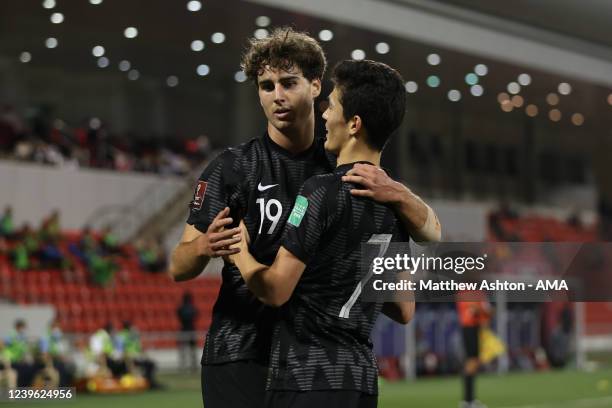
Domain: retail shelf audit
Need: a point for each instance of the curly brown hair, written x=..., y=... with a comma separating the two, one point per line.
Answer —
x=284, y=49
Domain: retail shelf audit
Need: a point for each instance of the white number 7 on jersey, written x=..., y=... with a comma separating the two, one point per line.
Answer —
x=378, y=239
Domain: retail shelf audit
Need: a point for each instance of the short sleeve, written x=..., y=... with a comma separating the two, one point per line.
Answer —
x=308, y=220
x=218, y=187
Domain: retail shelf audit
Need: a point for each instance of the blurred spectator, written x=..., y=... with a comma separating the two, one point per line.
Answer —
x=152, y=255
x=129, y=346
x=105, y=357
x=110, y=242
x=187, y=315
x=54, y=349
x=51, y=228
x=51, y=256
x=57, y=143
x=19, y=353
x=26, y=248
x=85, y=245
x=7, y=226
x=574, y=220
x=102, y=269
x=8, y=375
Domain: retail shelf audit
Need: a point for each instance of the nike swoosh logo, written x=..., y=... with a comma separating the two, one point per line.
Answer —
x=264, y=188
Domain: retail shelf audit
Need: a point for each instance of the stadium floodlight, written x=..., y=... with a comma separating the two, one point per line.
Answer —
x=57, y=18
x=326, y=35
x=203, y=70
x=382, y=48
x=124, y=65
x=524, y=79
x=172, y=81
x=564, y=88
x=434, y=59
x=262, y=21
x=358, y=54
x=433, y=81
x=531, y=110
x=578, y=119
x=514, y=88
x=51, y=42
x=471, y=79
x=103, y=62
x=476, y=90
x=240, y=76
x=48, y=4
x=133, y=75
x=454, y=95
x=481, y=70
x=261, y=33
x=197, y=45
x=194, y=6
x=411, y=87
x=98, y=51
x=25, y=57
x=217, y=38
x=130, y=32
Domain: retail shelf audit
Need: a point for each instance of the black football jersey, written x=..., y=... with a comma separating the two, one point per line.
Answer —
x=321, y=339
x=258, y=181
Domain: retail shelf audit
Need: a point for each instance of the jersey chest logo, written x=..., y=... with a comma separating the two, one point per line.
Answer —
x=261, y=187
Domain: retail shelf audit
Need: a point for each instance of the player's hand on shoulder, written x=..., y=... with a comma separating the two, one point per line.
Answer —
x=376, y=183
x=218, y=240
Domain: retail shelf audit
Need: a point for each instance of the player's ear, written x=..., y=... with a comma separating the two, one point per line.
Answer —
x=315, y=86
x=355, y=124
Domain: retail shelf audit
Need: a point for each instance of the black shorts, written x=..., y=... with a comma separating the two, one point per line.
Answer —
x=470, y=341
x=237, y=384
x=320, y=399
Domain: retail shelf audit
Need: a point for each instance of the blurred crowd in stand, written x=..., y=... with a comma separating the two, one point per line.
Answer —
x=43, y=140
x=48, y=361
x=97, y=252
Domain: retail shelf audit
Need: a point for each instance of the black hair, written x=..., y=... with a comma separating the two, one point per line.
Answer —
x=375, y=92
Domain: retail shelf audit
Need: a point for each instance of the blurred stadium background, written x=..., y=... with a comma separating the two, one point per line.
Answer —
x=110, y=110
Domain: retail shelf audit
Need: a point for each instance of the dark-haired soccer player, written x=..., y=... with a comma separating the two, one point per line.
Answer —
x=321, y=352
x=258, y=181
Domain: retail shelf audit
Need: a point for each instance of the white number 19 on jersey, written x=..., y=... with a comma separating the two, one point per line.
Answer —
x=265, y=209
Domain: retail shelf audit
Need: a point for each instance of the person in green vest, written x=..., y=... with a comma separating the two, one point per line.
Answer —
x=129, y=345
x=7, y=226
x=20, y=257
x=54, y=348
x=110, y=241
x=8, y=375
x=105, y=355
x=19, y=353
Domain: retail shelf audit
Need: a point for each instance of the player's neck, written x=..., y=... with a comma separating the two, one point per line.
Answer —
x=295, y=139
x=356, y=152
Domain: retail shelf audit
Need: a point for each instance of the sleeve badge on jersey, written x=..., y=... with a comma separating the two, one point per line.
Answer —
x=299, y=210
x=198, y=198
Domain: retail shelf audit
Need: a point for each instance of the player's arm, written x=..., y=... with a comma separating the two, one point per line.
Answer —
x=274, y=284
x=193, y=252
x=401, y=308
x=418, y=218
x=401, y=312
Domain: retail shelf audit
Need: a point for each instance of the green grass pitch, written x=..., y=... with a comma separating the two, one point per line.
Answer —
x=559, y=389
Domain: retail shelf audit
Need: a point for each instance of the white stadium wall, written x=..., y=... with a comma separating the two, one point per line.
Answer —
x=34, y=191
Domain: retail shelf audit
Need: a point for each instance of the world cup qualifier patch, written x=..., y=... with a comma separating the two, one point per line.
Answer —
x=299, y=209
x=198, y=198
